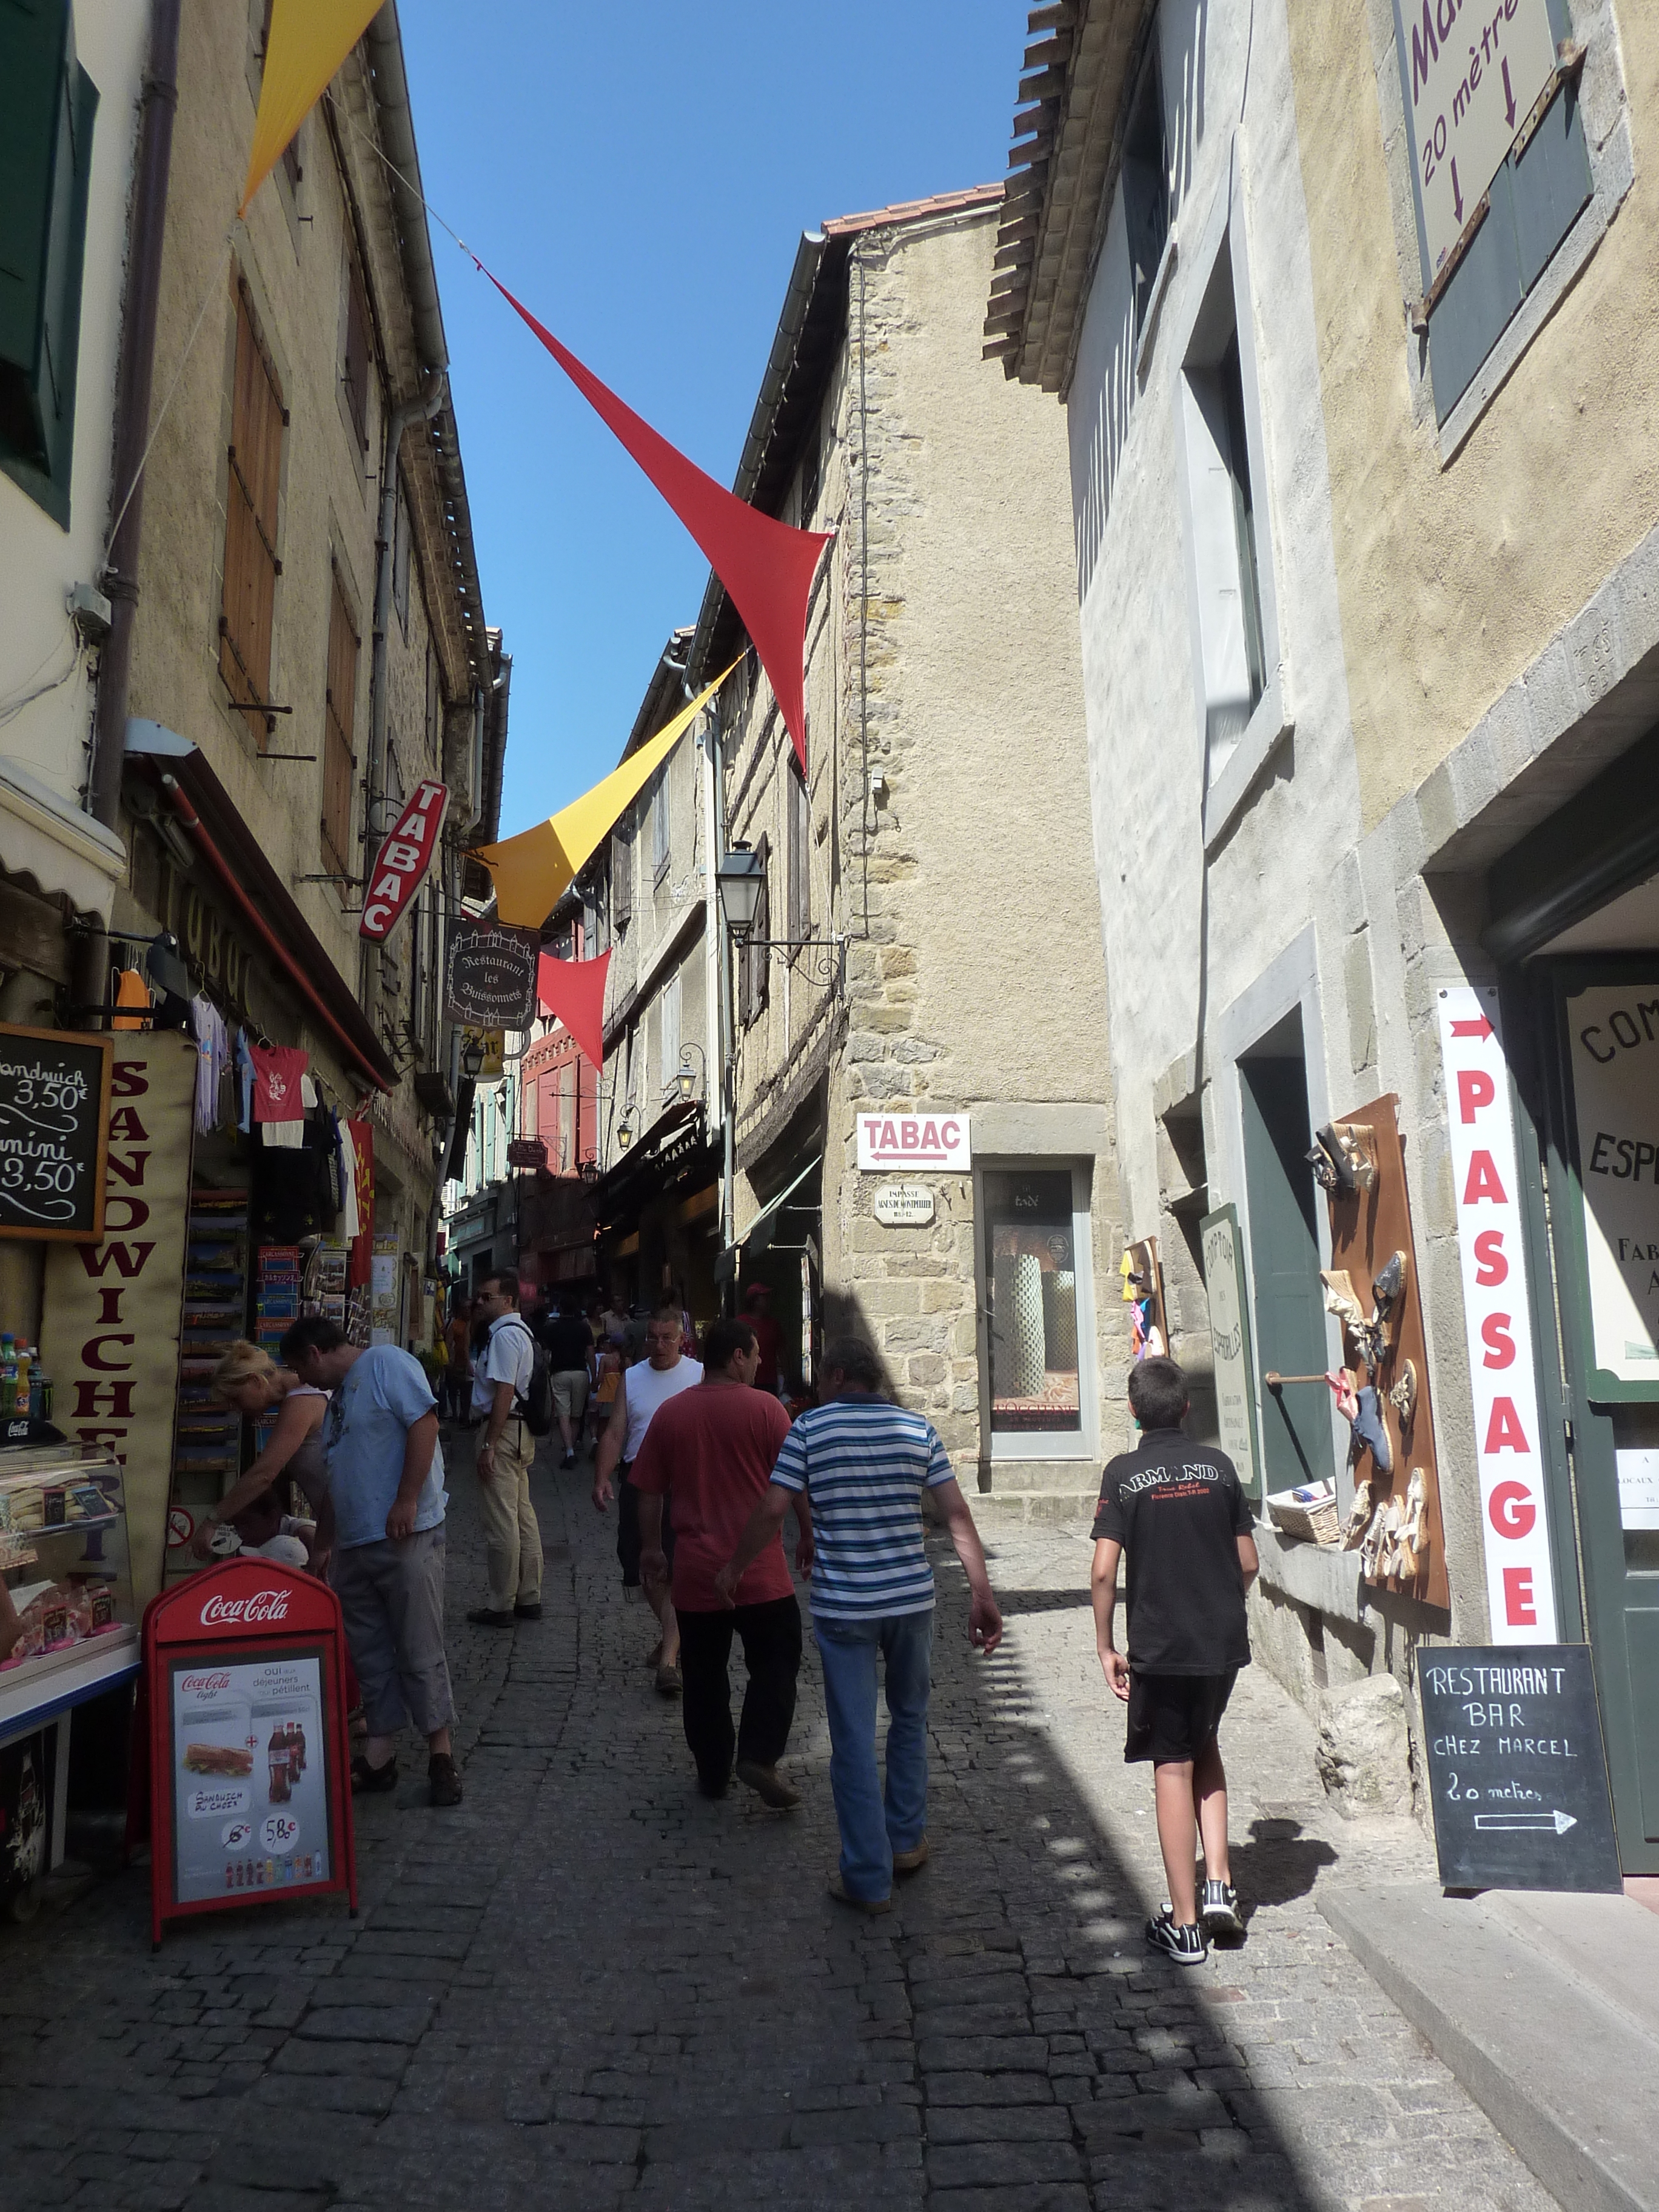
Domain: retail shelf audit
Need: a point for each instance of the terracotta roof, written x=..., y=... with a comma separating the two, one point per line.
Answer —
x=842, y=226
x=1068, y=133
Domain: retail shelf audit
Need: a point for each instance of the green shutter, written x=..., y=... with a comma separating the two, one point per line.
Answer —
x=47, y=104
x=1290, y=1300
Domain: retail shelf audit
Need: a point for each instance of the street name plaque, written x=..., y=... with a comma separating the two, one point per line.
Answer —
x=1518, y=1773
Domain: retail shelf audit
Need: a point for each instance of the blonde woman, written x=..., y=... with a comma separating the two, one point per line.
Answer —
x=249, y=1379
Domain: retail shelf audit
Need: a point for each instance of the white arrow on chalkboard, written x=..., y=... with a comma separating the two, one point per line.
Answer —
x=1512, y=1822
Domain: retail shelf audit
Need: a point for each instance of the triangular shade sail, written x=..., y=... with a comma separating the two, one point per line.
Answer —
x=308, y=39
x=572, y=991
x=533, y=871
x=766, y=566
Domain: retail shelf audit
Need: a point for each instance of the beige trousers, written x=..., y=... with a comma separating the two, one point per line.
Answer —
x=512, y=1540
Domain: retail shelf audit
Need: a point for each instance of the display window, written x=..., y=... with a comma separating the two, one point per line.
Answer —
x=67, y=1624
x=1039, y=1312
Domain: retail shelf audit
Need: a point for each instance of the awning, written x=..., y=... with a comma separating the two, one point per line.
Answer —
x=675, y=1151
x=758, y=1235
x=269, y=905
x=51, y=847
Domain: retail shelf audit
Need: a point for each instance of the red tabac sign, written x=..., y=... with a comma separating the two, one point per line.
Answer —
x=401, y=866
x=249, y=1793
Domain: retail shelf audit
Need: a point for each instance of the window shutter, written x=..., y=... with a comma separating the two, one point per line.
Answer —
x=753, y=969
x=800, y=854
x=47, y=105
x=622, y=880
x=354, y=371
x=339, y=717
x=251, y=491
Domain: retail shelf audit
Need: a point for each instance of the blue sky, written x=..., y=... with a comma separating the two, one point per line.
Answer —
x=640, y=177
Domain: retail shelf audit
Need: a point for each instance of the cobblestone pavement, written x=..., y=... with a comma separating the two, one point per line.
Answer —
x=589, y=1987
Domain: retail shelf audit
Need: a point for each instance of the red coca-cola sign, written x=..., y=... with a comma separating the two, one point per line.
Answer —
x=401, y=865
x=223, y=1611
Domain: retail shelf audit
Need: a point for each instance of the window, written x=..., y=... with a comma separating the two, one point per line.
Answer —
x=660, y=832
x=1035, y=1260
x=1225, y=566
x=339, y=718
x=670, y=1035
x=752, y=957
x=47, y=103
x=1145, y=175
x=1476, y=278
x=355, y=363
x=400, y=536
x=251, y=491
x=800, y=853
x=622, y=877
x=811, y=475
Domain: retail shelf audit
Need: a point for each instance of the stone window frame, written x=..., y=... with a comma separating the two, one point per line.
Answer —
x=1604, y=104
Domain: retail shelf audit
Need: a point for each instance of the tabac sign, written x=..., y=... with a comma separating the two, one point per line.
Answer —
x=914, y=1140
x=401, y=866
x=1472, y=70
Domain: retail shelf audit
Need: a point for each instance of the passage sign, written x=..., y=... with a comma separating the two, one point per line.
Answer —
x=1516, y=1768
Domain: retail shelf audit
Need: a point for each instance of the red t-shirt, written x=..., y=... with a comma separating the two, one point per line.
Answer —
x=711, y=1450
x=768, y=1337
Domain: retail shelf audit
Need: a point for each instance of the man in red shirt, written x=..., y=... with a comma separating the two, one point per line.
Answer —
x=712, y=1449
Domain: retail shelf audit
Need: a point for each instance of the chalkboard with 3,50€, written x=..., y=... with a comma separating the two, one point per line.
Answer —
x=54, y=1133
x=1516, y=1768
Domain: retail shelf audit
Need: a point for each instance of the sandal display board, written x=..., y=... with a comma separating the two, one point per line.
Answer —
x=1371, y=1285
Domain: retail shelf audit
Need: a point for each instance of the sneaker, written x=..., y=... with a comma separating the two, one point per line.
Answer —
x=373, y=1781
x=1219, y=1911
x=768, y=1785
x=569, y=1460
x=911, y=1861
x=843, y=1895
x=669, y=1682
x=444, y=1779
x=1188, y=1945
x=486, y=1616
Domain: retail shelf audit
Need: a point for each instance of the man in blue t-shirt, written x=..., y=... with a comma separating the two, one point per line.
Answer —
x=386, y=1475
x=864, y=1464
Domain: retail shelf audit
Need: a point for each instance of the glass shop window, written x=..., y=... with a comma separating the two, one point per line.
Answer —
x=1031, y=1273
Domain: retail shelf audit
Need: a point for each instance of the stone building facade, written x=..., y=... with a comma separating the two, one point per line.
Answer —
x=1393, y=773
x=918, y=954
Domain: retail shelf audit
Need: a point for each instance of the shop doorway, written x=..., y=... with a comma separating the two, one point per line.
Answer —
x=1284, y=1249
x=1596, y=1021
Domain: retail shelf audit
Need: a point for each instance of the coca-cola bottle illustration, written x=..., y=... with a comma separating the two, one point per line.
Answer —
x=298, y=1735
x=281, y=1787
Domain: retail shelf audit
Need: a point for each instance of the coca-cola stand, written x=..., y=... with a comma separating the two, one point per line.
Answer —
x=243, y=1667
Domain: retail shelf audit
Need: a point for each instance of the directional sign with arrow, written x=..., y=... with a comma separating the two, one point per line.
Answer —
x=1517, y=1772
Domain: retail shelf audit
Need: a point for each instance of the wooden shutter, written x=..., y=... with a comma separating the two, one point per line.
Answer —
x=1289, y=1316
x=251, y=496
x=340, y=719
x=354, y=370
x=800, y=854
x=622, y=879
x=752, y=986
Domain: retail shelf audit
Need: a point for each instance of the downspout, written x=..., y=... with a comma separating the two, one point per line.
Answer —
x=152, y=165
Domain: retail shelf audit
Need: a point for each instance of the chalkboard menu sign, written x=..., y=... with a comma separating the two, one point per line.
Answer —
x=1516, y=1769
x=54, y=1131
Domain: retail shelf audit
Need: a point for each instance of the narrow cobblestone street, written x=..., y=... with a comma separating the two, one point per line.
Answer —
x=589, y=1988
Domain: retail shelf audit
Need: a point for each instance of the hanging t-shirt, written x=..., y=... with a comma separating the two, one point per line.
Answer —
x=1178, y=1510
x=212, y=1058
x=711, y=1451
x=278, y=1072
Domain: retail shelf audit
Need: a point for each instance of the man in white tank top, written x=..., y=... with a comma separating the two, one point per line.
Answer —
x=661, y=1375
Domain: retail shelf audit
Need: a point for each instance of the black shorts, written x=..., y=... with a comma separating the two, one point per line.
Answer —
x=628, y=1532
x=1175, y=1716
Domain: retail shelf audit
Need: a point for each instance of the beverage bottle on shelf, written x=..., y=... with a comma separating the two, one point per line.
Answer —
x=45, y=1413
x=37, y=1388
x=8, y=1374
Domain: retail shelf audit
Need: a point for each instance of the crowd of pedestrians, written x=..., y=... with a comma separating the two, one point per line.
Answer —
x=704, y=1465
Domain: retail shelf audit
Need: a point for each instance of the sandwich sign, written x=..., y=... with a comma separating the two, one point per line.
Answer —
x=406, y=855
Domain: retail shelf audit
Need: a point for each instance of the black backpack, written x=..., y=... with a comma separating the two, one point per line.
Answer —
x=535, y=1408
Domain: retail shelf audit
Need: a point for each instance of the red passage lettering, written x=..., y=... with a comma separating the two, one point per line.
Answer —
x=1519, y=1610
x=1503, y=1431
x=1475, y=1088
x=1500, y=1345
x=1483, y=1181
x=1494, y=1268
x=1510, y=1510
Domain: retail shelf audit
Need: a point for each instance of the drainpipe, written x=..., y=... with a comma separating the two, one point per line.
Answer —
x=152, y=165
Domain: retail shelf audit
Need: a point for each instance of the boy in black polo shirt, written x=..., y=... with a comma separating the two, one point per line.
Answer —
x=1180, y=1512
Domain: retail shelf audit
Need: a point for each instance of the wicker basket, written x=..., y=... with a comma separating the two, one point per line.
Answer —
x=1307, y=1514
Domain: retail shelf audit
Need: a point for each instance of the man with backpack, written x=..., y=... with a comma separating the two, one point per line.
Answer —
x=506, y=1388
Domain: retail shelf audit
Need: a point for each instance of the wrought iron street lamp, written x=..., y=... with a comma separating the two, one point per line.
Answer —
x=741, y=877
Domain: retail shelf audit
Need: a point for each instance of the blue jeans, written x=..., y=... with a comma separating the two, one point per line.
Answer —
x=871, y=1832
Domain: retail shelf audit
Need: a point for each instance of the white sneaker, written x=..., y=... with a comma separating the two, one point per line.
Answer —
x=1188, y=1946
x=1219, y=1911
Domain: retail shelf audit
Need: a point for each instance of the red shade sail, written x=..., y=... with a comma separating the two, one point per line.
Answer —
x=766, y=566
x=572, y=991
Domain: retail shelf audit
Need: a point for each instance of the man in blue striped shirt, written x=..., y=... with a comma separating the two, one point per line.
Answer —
x=864, y=1463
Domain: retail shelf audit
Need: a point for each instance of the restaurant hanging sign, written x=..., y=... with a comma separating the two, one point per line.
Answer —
x=404, y=858
x=490, y=975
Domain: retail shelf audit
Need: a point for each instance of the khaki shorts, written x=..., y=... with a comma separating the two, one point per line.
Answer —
x=570, y=1392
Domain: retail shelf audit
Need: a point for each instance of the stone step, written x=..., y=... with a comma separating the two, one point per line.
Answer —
x=1028, y=1508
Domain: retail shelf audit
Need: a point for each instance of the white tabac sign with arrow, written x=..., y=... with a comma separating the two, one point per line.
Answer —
x=1472, y=72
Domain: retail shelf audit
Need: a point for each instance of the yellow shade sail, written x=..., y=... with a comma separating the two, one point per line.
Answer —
x=533, y=871
x=308, y=41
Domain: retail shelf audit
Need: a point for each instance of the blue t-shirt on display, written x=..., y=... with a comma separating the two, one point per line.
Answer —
x=366, y=1431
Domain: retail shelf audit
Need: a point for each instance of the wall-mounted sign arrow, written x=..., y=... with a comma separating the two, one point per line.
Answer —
x=1513, y=1823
